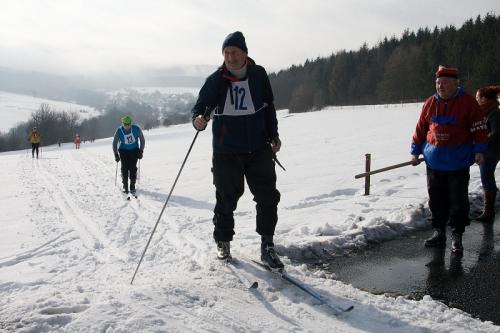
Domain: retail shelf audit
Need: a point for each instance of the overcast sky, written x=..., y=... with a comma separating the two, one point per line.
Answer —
x=97, y=36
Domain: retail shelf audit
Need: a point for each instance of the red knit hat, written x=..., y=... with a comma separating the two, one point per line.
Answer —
x=447, y=72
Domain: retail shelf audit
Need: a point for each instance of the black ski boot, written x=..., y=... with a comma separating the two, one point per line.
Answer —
x=456, y=243
x=223, y=250
x=132, y=187
x=125, y=188
x=269, y=256
x=438, y=239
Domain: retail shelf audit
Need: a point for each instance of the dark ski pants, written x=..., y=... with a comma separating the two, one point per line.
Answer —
x=449, y=198
x=34, y=147
x=229, y=172
x=128, y=166
x=488, y=172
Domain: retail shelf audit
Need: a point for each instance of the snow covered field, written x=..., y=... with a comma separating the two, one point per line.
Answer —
x=15, y=108
x=69, y=242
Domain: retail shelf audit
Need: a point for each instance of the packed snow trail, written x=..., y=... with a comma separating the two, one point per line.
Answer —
x=70, y=243
x=89, y=271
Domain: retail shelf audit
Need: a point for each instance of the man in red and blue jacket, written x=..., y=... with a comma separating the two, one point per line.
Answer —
x=451, y=135
x=245, y=141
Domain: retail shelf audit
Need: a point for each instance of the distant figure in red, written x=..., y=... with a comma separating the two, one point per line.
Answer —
x=77, y=141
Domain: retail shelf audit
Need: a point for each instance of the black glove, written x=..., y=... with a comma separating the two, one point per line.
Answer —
x=117, y=158
x=139, y=154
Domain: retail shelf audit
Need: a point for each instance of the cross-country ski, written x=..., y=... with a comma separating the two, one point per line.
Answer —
x=337, y=310
x=235, y=267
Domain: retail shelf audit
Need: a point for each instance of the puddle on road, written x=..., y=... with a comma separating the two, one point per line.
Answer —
x=405, y=267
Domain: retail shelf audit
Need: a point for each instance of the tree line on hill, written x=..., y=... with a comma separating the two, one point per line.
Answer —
x=61, y=126
x=396, y=70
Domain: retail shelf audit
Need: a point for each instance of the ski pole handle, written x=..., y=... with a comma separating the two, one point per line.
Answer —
x=201, y=120
x=207, y=113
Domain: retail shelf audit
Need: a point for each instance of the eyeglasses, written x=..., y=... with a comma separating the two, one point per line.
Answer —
x=127, y=124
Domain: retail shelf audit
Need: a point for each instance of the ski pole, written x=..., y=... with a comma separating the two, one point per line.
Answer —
x=277, y=161
x=205, y=115
x=139, y=173
x=116, y=172
x=275, y=158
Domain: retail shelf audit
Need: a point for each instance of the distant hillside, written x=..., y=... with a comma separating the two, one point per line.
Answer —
x=49, y=86
x=91, y=90
x=397, y=69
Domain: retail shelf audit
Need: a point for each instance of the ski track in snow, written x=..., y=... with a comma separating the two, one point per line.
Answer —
x=84, y=219
x=89, y=241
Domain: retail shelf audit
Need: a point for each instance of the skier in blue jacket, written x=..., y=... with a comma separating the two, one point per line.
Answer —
x=128, y=146
x=245, y=141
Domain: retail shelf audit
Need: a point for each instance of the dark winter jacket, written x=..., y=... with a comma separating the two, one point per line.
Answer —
x=493, y=125
x=244, y=118
x=449, y=133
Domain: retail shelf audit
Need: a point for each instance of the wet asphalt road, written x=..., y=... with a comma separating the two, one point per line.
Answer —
x=405, y=267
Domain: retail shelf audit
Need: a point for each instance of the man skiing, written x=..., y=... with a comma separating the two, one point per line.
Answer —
x=34, y=138
x=128, y=146
x=245, y=139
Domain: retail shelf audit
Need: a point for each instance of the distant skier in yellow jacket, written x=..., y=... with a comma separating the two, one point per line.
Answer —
x=35, y=139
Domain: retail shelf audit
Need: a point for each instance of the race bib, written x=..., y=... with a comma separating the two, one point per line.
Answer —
x=242, y=98
x=129, y=138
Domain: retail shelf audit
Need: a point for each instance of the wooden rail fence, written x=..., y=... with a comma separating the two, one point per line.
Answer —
x=368, y=172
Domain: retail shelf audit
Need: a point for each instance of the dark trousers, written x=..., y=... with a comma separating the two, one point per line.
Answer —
x=229, y=172
x=128, y=165
x=34, y=147
x=449, y=198
x=488, y=172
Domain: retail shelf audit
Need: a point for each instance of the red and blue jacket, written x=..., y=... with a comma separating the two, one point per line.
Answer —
x=450, y=132
x=244, y=118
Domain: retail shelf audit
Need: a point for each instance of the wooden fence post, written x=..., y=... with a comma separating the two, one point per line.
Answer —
x=368, y=160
